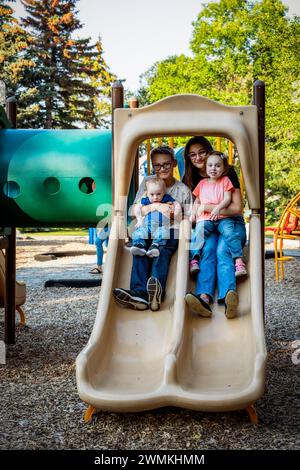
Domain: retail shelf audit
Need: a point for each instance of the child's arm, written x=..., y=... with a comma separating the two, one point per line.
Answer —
x=214, y=215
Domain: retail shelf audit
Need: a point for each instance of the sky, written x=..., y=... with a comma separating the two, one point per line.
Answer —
x=137, y=33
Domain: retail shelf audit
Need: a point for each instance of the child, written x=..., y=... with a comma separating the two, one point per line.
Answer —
x=216, y=189
x=155, y=224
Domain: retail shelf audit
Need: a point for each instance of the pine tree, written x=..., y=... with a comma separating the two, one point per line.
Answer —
x=61, y=88
x=13, y=42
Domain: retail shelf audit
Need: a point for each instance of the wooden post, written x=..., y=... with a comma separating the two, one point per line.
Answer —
x=10, y=258
x=148, y=156
x=117, y=102
x=259, y=100
x=134, y=103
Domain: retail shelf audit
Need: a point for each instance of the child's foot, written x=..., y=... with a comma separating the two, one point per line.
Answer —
x=138, y=249
x=194, y=267
x=240, y=268
x=153, y=251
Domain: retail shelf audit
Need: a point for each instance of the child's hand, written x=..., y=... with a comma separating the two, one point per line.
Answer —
x=165, y=209
x=215, y=213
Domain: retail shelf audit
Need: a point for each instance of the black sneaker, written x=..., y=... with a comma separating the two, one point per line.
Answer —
x=138, y=249
x=154, y=290
x=198, y=305
x=153, y=251
x=130, y=299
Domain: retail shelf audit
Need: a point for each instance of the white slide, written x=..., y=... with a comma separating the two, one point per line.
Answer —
x=139, y=360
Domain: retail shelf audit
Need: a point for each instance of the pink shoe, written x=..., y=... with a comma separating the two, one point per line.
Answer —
x=240, y=268
x=194, y=267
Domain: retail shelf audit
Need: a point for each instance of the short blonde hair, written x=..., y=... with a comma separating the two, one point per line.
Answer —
x=157, y=181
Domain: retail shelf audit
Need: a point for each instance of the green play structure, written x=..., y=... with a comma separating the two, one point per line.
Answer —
x=47, y=176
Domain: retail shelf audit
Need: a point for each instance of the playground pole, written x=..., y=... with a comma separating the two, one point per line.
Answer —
x=134, y=103
x=117, y=95
x=260, y=102
x=10, y=258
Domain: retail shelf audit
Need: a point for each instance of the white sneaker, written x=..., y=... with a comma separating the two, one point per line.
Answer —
x=137, y=250
x=153, y=251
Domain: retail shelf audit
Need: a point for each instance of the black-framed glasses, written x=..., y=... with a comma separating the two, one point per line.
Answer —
x=165, y=166
x=200, y=153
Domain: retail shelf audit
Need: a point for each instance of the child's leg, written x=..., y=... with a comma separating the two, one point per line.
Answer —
x=200, y=233
x=140, y=235
x=161, y=234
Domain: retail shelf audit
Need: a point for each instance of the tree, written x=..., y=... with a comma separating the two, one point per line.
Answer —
x=62, y=87
x=233, y=43
x=13, y=42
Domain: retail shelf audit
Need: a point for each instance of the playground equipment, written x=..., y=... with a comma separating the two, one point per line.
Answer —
x=20, y=290
x=46, y=176
x=288, y=228
x=139, y=360
x=142, y=360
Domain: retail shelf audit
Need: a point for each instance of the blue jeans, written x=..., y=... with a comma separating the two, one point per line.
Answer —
x=143, y=267
x=226, y=227
x=101, y=238
x=216, y=264
x=155, y=230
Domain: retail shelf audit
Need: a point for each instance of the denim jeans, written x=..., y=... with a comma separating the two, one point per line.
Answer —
x=101, y=238
x=226, y=227
x=216, y=264
x=143, y=267
x=153, y=228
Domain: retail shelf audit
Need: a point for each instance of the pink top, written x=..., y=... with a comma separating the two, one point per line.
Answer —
x=212, y=193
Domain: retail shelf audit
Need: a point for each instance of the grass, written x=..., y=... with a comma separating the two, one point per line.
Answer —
x=62, y=233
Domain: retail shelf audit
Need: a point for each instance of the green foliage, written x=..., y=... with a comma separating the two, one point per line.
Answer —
x=235, y=42
x=283, y=176
x=13, y=42
x=64, y=81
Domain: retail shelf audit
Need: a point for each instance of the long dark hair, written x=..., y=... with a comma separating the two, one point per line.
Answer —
x=191, y=174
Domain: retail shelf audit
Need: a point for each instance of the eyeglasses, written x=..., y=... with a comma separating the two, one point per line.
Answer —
x=200, y=153
x=165, y=166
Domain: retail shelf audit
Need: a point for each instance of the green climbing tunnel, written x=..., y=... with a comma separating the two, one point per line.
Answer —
x=54, y=177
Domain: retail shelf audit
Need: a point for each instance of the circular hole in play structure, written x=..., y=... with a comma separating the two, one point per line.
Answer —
x=51, y=185
x=87, y=185
x=11, y=189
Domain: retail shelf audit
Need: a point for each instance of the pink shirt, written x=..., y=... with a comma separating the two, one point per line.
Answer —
x=212, y=193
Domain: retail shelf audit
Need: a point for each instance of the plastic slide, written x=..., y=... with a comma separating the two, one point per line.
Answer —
x=139, y=360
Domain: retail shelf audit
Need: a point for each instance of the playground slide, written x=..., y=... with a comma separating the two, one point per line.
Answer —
x=142, y=360
x=138, y=360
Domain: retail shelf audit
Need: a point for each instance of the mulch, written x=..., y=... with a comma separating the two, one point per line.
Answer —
x=38, y=396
